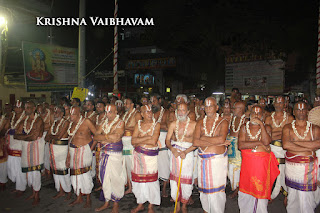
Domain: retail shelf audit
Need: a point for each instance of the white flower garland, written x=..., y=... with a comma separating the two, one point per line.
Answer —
x=185, y=130
x=282, y=122
x=90, y=116
x=77, y=126
x=196, y=112
x=106, y=127
x=57, y=129
x=149, y=130
x=125, y=119
x=14, y=125
x=160, y=116
x=31, y=125
x=305, y=132
x=47, y=116
x=102, y=120
x=240, y=123
x=249, y=133
x=213, y=125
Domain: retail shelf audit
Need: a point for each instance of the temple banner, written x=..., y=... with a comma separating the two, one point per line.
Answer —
x=49, y=67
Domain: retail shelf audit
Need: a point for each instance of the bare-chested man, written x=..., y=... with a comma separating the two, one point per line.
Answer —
x=120, y=108
x=161, y=116
x=301, y=139
x=130, y=118
x=100, y=119
x=210, y=136
x=14, y=149
x=67, y=107
x=57, y=137
x=145, y=183
x=32, y=145
x=277, y=121
x=80, y=155
x=226, y=112
x=263, y=103
x=47, y=118
x=234, y=154
x=112, y=172
x=181, y=147
x=4, y=126
x=259, y=167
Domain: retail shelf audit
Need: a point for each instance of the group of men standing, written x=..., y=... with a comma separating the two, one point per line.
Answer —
x=193, y=144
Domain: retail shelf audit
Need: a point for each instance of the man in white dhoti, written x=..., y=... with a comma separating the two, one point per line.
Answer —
x=181, y=131
x=4, y=125
x=210, y=136
x=234, y=154
x=301, y=139
x=145, y=183
x=161, y=116
x=14, y=150
x=130, y=118
x=80, y=155
x=277, y=120
x=32, y=149
x=112, y=169
x=57, y=138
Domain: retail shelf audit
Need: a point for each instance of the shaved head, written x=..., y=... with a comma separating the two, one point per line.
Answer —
x=210, y=101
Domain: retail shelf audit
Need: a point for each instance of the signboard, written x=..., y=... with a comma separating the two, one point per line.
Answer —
x=108, y=74
x=256, y=77
x=151, y=63
x=144, y=79
x=49, y=67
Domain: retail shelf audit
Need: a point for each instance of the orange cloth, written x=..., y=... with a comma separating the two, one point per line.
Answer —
x=259, y=170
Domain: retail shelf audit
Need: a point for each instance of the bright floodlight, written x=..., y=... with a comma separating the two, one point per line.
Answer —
x=217, y=93
x=2, y=21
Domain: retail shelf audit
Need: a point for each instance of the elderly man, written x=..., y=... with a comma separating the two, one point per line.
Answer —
x=259, y=167
x=277, y=121
x=234, y=155
x=130, y=118
x=145, y=183
x=161, y=116
x=14, y=149
x=210, y=136
x=80, y=156
x=120, y=108
x=32, y=149
x=112, y=169
x=301, y=139
x=57, y=137
x=181, y=147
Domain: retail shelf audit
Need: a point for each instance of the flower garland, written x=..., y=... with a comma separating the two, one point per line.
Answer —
x=196, y=112
x=213, y=125
x=125, y=119
x=57, y=129
x=77, y=126
x=160, y=116
x=184, y=132
x=249, y=133
x=282, y=122
x=90, y=116
x=102, y=120
x=31, y=125
x=106, y=127
x=47, y=116
x=14, y=125
x=293, y=124
x=149, y=130
x=240, y=123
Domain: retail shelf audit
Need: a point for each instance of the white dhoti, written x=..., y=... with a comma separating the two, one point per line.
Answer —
x=276, y=148
x=212, y=176
x=46, y=154
x=32, y=161
x=58, y=155
x=14, y=163
x=301, y=179
x=145, y=183
x=80, y=169
x=127, y=154
x=185, y=188
x=249, y=204
x=112, y=172
x=195, y=164
x=234, y=159
x=163, y=158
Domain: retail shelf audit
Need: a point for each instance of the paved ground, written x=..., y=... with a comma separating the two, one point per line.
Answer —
x=8, y=202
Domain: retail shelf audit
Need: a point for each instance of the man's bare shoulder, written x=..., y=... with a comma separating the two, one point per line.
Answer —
x=287, y=127
x=268, y=120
